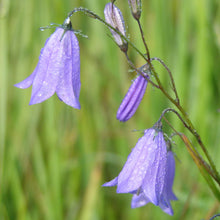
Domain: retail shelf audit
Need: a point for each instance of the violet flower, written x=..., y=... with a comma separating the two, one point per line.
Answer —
x=140, y=199
x=134, y=96
x=148, y=173
x=58, y=69
x=113, y=16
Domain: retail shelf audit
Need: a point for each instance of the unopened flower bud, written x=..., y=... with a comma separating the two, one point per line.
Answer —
x=134, y=95
x=135, y=6
x=114, y=17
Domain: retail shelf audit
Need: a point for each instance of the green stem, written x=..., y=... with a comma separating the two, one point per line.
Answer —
x=95, y=16
x=192, y=129
x=192, y=150
x=176, y=102
x=198, y=138
x=203, y=167
x=190, y=126
x=171, y=77
x=143, y=39
x=140, y=72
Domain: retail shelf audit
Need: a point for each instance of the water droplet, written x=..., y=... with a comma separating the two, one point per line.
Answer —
x=45, y=83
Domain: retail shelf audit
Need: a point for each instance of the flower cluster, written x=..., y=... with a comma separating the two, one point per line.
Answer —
x=149, y=171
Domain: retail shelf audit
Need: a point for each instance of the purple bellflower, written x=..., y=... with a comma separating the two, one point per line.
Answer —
x=113, y=16
x=148, y=173
x=58, y=69
x=134, y=96
x=140, y=199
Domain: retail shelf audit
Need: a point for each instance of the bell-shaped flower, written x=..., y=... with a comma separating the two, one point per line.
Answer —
x=140, y=199
x=58, y=69
x=113, y=16
x=134, y=96
x=148, y=173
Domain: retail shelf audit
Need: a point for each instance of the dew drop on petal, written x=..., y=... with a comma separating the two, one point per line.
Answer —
x=45, y=83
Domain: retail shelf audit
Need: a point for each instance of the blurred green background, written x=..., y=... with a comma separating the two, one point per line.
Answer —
x=54, y=159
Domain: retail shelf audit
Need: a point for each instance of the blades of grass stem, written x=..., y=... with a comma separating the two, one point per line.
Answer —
x=3, y=94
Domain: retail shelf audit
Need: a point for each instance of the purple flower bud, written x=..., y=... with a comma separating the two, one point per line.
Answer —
x=58, y=69
x=114, y=17
x=148, y=173
x=135, y=6
x=133, y=97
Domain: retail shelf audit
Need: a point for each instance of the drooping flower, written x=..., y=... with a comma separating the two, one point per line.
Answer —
x=113, y=16
x=134, y=96
x=135, y=6
x=140, y=199
x=58, y=69
x=148, y=173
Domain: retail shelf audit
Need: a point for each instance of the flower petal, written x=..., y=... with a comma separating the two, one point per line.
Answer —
x=154, y=180
x=113, y=182
x=69, y=84
x=28, y=81
x=134, y=170
x=47, y=75
x=170, y=176
x=139, y=200
x=167, y=193
x=167, y=208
